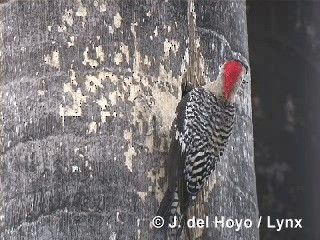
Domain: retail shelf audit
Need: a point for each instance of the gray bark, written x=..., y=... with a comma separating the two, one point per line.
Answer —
x=89, y=90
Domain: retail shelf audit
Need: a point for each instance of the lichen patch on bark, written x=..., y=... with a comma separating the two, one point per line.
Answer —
x=71, y=43
x=53, y=60
x=131, y=151
x=91, y=62
x=92, y=83
x=92, y=128
x=142, y=196
x=103, y=8
x=170, y=46
x=117, y=20
x=82, y=12
x=78, y=100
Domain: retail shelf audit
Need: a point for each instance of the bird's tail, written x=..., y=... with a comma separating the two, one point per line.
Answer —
x=169, y=207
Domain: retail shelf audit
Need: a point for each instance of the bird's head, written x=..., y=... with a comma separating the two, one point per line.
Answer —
x=232, y=74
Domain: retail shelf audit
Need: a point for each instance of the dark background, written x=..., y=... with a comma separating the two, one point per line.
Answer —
x=284, y=47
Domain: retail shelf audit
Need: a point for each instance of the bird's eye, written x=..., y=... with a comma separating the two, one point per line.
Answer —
x=220, y=66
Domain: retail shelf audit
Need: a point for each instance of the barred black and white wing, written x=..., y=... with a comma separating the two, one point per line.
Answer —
x=199, y=135
x=203, y=136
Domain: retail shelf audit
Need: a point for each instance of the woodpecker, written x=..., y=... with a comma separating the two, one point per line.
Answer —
x=199, y=134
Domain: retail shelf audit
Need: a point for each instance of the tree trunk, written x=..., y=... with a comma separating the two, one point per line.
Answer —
x=285, y=56
x=89, y=91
